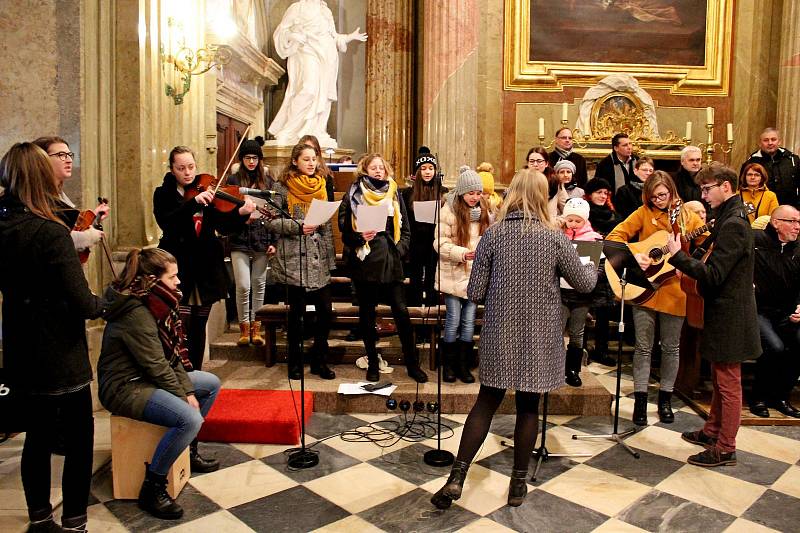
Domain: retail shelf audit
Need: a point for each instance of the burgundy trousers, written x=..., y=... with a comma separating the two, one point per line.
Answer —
x=726, y=405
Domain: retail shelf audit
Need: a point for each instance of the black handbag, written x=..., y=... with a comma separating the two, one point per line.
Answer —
x=12, y=406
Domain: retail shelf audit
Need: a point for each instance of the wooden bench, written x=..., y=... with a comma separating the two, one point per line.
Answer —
x=346, y=315
x=132, y=445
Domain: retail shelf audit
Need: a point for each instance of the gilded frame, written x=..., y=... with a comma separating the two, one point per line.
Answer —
x=712, y=79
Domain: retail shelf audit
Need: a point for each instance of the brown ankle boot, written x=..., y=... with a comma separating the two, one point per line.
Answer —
x=255, y=333
x=244, y=332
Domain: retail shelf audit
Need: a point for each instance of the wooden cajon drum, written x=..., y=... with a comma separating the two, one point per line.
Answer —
x=132, y=445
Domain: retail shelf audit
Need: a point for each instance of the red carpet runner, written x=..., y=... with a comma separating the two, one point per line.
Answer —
x=258, y=416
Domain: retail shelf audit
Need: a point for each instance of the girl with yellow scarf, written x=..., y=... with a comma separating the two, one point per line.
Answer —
x=309, y=247
x=376, y=259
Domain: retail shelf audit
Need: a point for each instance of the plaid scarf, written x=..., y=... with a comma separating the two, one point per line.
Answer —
x=163, y=304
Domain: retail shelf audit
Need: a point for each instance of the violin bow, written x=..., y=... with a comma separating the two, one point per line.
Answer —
x=104, y=242
x=230, y=161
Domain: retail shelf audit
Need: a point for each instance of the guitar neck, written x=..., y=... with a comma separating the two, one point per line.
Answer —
x=663, y=250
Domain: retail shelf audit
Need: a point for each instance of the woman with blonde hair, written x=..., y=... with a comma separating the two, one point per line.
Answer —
x=46, y=302
x=520, y=296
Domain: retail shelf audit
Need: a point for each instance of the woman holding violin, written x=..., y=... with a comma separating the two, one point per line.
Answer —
x=61, y=158
x=46, y=301
x=189, y=212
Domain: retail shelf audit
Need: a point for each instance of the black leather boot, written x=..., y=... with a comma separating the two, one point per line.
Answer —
x=319, y=366
x=295, y=368
x=411, y=361
x=517, y=487
x=154, y=499
x=572, y=370
x=75, y=524
x=453, y=487
x=373, y=373
x=464, y=358
x=640, y=408
x=665, y=413
x=199, y=464
x=449, y=350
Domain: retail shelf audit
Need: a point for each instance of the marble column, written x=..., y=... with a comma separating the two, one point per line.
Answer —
x=789, y=77
x=389, y=95
x=449, y=102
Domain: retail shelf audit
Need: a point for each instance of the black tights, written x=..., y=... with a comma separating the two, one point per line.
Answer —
x=369, y=294
x=63, y=418
x=321, y=298
x=195, y=318
x=480, y=418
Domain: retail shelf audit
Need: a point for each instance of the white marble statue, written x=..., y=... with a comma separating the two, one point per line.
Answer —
x=308, y=38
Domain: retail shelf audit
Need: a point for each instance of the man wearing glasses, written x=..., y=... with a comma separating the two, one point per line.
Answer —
x=777, y=281
x=617, y=167
x=563, y=150
x=730, y=334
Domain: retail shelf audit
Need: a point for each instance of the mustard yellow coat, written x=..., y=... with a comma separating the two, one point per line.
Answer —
x=764, y=201
x=642, y=223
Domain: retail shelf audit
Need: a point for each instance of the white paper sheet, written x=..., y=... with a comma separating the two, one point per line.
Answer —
x=320, y=212
x=425, y=212
x=356, y=388
x=372, y=218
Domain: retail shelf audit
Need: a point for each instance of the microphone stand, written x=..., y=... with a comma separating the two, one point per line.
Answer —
x=302, y=458
x=438, y=457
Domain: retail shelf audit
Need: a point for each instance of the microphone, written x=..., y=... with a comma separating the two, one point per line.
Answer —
x=258, y=193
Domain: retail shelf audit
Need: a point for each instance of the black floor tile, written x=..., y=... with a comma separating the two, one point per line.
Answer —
x=227, y=454
x=295, y=509
x=194, y=504
x=323, y=425
x=659, y=511
x=542, y=511
x=756, y=468
x=790, y=432
x=776, y=510
x=408, y=463
x=414, y=511
x=597, y=425
x=330, y=461
x=649, y=469
x=503, y=462
x=415, y=427
x=683, y=422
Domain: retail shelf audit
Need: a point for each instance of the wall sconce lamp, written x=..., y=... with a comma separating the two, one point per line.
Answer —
x=180, y=62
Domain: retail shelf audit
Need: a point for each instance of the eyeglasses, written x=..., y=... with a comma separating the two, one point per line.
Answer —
x=789, y=220
x=706, y=188
x=250, y=158
x=659, y=196
x=63, y=155
x=535, y=161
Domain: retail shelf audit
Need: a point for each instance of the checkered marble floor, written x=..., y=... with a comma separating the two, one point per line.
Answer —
x=360, y=486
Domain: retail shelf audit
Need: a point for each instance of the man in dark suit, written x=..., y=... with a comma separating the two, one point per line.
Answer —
x=617, y=167
x=783, y=167
x=691, y=161
x=562, y=149
x=730, y=334
x=777, y=281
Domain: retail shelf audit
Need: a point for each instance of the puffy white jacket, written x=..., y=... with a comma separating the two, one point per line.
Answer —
x=453, y=271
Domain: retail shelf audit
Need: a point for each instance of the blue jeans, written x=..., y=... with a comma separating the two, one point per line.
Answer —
x=165, y=409
x=460, y=312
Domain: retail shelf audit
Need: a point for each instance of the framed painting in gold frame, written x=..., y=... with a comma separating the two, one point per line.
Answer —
x=683, y=46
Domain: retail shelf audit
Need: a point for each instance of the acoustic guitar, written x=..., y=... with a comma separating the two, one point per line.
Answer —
x=655, y=246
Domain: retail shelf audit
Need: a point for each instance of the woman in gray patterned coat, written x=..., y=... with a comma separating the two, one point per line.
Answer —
x=515, y=275
x=297, y=187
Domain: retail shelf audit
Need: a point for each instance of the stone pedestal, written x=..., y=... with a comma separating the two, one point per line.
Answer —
x=389, y=49
x=277, y=156
x=449, y=95
x=789, y=78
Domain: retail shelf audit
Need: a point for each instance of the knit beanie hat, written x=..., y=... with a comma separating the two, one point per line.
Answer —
x=564, y=163
x=425, y=156
x=468, y=180
x=252, y=147
x=595, y=184
x=488, y=181
x=576, y=206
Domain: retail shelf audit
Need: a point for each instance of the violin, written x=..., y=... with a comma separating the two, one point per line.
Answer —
x=87, y=219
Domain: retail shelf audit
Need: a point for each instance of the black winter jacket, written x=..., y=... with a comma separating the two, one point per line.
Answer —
x=254, y=237
x=200, y=259
x=384, y=264
x=46, y=301
x=605, y=169
x=602, y=218
x=783, y=168
x=628, y=198
x=777, y=274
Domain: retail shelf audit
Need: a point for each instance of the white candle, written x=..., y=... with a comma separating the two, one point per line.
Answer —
x=709, y=115
x=689, y=130
x=541, y=127
x=730, y=132
x=564, y=109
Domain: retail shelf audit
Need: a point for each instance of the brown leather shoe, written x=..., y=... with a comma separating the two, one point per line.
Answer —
x=713, y=457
